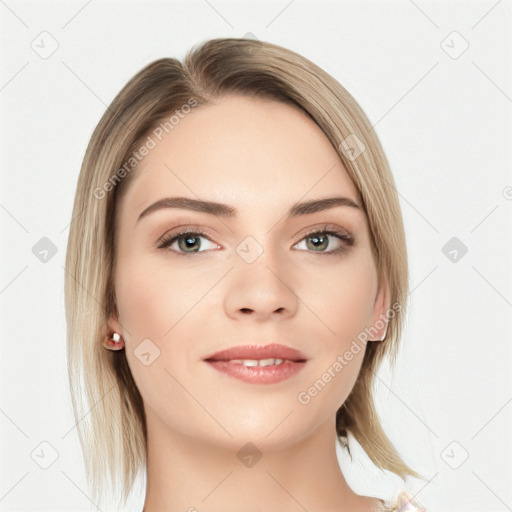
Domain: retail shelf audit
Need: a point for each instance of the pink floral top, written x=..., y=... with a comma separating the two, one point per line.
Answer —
x=404, y=502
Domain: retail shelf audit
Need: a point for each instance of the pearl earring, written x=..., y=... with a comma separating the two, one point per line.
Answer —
x=113, y=343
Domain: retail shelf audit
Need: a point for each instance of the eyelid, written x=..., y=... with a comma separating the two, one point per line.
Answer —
x=183, y=230
x=327, y=227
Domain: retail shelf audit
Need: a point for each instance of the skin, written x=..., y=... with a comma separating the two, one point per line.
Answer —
x=190, y=307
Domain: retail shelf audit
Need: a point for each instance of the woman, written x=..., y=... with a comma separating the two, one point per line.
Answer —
x=238, y=248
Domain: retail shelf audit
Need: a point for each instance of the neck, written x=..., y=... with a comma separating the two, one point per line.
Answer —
x=192, y=475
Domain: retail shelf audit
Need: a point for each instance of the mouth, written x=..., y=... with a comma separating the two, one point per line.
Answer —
x=258, y=364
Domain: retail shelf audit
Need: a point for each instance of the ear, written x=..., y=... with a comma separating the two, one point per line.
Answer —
x=113, y=323
x=381, y=306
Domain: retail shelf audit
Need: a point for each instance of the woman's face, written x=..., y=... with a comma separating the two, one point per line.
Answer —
x=254, y=278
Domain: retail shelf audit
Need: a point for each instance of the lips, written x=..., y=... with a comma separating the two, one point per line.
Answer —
x=272, y=351
x=255, y=364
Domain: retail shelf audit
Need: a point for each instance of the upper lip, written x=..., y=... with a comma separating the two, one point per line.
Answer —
x=272, y=351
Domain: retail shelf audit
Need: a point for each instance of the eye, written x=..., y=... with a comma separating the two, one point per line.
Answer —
x=319, y=240
x=188, y=241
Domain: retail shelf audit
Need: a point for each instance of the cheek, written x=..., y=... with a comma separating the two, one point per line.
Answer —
x=140, y=301
x=160, y=302
x=344, y=298
x=153, y=297
x=153, y=303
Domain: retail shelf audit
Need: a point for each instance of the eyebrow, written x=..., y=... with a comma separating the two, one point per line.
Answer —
x=224, y=210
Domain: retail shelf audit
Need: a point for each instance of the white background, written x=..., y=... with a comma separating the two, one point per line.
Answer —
x=445, y=124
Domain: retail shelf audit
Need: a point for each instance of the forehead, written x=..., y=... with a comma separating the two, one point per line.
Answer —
x=249, y=152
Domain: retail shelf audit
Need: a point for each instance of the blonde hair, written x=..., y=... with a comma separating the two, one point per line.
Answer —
x=107, y=405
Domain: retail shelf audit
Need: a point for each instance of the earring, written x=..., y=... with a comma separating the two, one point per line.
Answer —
x=113, y=343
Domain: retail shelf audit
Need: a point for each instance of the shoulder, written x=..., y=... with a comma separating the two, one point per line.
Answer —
x=403, y=502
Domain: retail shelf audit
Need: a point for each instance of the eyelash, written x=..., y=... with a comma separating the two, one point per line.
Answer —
x=348, y=240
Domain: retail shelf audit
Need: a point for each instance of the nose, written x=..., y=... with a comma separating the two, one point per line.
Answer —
x=260, y=290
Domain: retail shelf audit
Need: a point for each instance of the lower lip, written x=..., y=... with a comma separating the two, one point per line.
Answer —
x=258, y=374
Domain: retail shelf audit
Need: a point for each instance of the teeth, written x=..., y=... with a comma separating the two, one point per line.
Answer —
x=258, y=362
x=268, y=362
